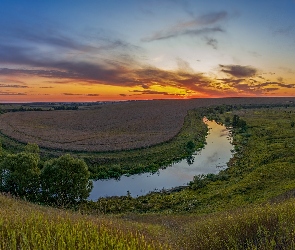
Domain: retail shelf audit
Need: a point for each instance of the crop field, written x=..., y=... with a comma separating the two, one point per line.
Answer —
x=111, y=127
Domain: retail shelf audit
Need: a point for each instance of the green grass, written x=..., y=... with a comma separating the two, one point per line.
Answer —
x=265, y=226
x=27, y=226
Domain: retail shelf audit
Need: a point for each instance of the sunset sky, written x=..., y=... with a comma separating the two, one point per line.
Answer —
x=98, y=50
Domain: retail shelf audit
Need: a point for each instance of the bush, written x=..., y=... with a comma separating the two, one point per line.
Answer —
x=19, y=175
x=65, y=180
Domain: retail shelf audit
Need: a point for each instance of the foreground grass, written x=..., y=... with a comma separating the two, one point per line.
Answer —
x=27, y=226
x=265, y=226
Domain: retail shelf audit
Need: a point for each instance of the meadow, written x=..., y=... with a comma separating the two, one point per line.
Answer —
x=250, y=205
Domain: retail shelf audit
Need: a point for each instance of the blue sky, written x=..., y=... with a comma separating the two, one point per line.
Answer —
x=120, y=50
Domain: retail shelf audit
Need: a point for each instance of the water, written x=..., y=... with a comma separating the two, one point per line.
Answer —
x=211, y=159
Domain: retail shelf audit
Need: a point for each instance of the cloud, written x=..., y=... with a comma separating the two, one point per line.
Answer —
x=184, y=66
x=238, y=70
x=11, y=93
x=122, y=94
x=271, y=89
x=211, y=42
x=285, y=31
x=231, y=81
x=153, y=92
x=12, y=86
x=279, y=84
x=92, y=94
x=71, y=94
x=162, y=35
x=198, y=26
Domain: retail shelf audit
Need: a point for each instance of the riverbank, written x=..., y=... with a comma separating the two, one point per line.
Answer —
x=262, y=169
x=211, y=159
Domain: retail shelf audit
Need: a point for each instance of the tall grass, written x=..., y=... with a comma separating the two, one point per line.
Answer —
x=25, y=226
x=269, y=226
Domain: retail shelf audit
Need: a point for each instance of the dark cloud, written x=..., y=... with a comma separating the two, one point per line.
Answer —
x=211, y=42
x=238, y=70
x=187, y=32
x=145, y=86
x=197, y=26
x=49, y=87
x=271, y=89
x=93, y=95
x=231, y=81
x=279, y=84
x=123, y=95
x=70, y=94
x=52, y=38
x=153, y=92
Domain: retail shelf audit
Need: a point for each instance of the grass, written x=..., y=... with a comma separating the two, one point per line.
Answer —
x=28, y=226
x=267, y=226
x=250, y=205
x=264, y=226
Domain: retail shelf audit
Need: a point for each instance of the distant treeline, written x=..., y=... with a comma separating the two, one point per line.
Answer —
x=61, y=107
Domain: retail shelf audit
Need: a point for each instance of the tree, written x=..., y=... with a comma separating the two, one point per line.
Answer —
x=32, y=148
x=227, y=120
x=190, y=147
x=19, y=175
x=236, y=119
x=65, y=180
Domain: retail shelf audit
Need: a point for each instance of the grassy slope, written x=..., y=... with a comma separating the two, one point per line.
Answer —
x=27, y=226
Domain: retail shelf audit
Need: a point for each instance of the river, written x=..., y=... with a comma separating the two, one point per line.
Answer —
x=211, y=159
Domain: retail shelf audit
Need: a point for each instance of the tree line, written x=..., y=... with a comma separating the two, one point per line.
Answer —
x=61, y=181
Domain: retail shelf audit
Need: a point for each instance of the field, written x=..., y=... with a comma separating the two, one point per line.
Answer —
x=111, y=127
x=250, y=205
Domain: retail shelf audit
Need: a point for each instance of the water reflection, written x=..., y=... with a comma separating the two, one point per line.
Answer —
x=211, y=159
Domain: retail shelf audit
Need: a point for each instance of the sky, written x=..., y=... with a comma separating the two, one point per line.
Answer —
x=98, y=50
